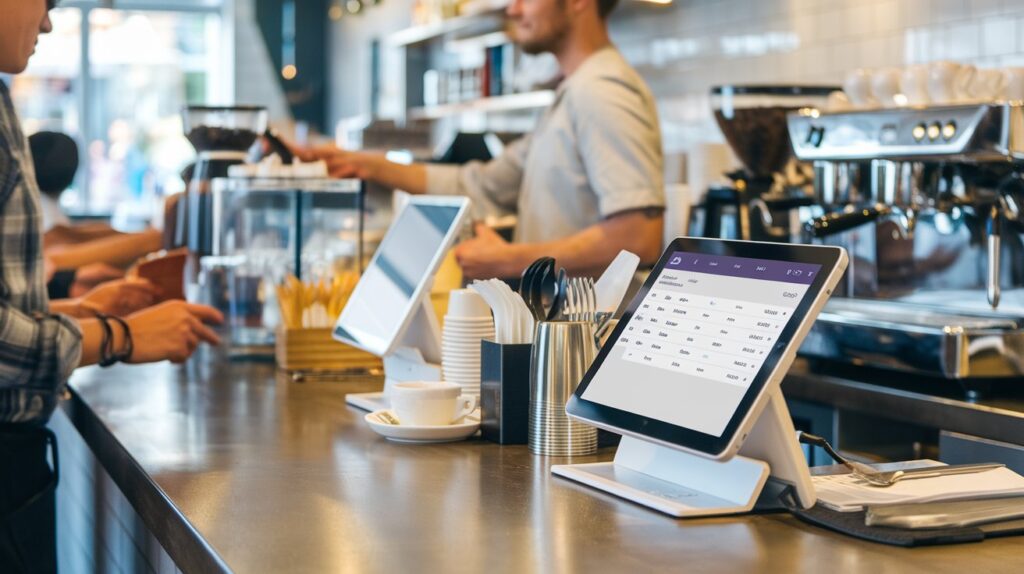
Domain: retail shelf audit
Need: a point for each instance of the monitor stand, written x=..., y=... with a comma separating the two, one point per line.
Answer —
x=686, y=485
x=417, y=357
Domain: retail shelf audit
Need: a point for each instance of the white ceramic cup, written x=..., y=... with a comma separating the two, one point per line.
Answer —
x=885, y=86
x=948, y=82
x=465, y=303
x=987, y=86
x=914, y=83
x=1013, y=85
x=857, y=86
x=430, y=403
x=838, y=102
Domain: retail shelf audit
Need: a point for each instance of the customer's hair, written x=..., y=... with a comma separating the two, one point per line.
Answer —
x=55, y=156
x=605, y=7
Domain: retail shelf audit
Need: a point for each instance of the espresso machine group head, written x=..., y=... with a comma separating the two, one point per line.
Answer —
x=928, y=201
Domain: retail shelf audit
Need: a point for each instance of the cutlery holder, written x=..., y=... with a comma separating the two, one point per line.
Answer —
x=504, y=392
x=562, y=353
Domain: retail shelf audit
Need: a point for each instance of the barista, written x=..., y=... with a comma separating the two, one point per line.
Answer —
x=585, y=184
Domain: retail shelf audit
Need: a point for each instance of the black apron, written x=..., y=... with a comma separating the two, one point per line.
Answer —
x=28, y=527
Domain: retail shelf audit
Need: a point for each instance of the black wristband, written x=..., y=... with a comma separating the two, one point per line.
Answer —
x=107, y=344
x=129, y=345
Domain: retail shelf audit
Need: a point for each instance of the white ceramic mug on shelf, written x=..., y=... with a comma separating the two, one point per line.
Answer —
x=430, y=403
x=949, y=82
x=837, y=102
x=987, y=86
x=885, y=87
x=857, y=86
x=914, y=84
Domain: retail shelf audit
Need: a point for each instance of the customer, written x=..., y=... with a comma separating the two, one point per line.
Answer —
x=55, y=157
x=586, y=183
x=38, y=349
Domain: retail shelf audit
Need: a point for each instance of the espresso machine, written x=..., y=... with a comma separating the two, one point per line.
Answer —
x=765, y=197
x=928, y=202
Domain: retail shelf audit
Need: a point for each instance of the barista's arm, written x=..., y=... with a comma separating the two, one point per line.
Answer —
x=493, y=186
x=117, y=250
x=587, y=252
x=371, y=166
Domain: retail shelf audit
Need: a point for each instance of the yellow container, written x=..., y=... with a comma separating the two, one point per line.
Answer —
x=315, y=350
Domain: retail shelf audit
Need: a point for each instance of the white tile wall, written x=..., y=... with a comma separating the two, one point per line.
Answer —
x=687, y=47
x=800, y=41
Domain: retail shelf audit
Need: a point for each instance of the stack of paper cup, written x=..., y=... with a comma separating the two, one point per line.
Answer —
x=467, y=323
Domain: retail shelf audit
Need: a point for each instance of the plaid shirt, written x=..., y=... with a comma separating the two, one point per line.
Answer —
x=38, y=350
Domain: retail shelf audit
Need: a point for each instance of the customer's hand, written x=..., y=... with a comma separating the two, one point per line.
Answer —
x=171, y=331
x=89, y=276
x=121, y=297
x=486, y=255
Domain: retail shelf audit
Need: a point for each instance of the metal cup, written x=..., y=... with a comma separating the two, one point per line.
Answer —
x=562, y=353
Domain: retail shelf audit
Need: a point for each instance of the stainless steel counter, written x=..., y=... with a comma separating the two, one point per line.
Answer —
x=232, y=467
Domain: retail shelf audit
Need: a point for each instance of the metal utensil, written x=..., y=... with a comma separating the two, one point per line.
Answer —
x=558, y=301
x=882, y=478
x=590, y=291
x=526, y=283
x=890, y=478
x=538, y=287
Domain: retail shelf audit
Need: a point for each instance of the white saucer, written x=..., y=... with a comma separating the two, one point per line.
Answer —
x=421, y=434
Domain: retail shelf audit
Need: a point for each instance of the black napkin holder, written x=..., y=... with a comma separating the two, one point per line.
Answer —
x=504, y=392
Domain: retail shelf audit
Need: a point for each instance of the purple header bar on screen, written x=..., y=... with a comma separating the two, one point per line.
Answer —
x=785, y=271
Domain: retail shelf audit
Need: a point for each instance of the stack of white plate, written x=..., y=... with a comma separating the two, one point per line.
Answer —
x=467, y=323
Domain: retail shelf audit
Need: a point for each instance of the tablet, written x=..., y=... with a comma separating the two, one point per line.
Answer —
x=391, y=290
x=706, y=341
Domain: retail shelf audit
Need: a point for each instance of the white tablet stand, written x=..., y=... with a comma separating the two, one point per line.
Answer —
x=416, y=357
x=687, y=485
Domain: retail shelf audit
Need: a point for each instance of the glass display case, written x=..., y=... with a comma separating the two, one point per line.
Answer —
x=265, y=229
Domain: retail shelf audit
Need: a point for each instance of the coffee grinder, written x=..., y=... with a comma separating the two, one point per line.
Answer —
x=222, y=136
x=753, y=121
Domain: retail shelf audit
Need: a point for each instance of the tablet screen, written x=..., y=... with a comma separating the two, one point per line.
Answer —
x=699, y=337
x=402, y=266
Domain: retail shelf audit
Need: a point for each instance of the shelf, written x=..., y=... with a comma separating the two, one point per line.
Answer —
x=509, y=103
x=489, y=19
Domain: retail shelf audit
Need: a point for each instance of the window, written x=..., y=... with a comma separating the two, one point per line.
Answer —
x=145, y=61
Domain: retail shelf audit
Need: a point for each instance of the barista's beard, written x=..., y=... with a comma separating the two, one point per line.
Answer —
x=534, y=48
x=540, y=46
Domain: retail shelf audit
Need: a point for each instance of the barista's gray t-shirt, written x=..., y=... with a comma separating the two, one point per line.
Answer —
x=595, y=152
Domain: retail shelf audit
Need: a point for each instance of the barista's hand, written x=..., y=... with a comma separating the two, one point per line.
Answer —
x=344, y=164
x=121, y=297
x=171, y=330
x=486, y=255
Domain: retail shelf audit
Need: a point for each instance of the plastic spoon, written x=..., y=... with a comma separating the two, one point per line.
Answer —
x=508, y=304
x=525, y=318
x=611, y=287
x=494, y=301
